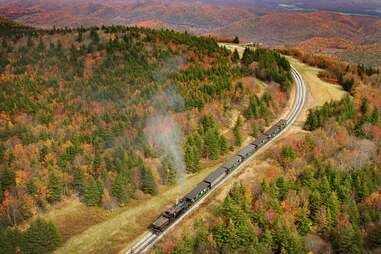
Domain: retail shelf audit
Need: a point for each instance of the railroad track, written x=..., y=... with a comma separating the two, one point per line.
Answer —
x=148, y=239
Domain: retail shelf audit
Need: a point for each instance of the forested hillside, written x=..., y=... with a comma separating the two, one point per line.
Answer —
x=322, y=192
x=107, y=115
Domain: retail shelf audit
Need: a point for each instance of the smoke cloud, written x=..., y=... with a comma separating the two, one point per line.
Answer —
x=162, y=129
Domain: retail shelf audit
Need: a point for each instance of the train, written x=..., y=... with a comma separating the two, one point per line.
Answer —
x=174, y=212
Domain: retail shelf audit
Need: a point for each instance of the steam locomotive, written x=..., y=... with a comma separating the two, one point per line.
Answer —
x=174, y=212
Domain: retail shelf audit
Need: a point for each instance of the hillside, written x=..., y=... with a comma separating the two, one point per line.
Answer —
x=316, y=191
x=113, y=116
x=251, y=23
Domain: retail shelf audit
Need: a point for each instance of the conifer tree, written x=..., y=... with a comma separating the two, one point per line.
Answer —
x=54, y=188
x=41, y=237
x=93, y=193
x=237, y=131
x=235, y=56
x=149, y=185
x=119, y=188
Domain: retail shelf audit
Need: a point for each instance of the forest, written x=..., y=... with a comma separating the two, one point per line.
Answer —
x=321, y=199
x=74, y=108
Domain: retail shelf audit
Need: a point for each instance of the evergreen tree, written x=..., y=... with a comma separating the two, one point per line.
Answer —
x=364, y=106
x=212, y=144
x=78, y=181
x=375, y=237
x=191, y=158
x=149, y=185
x=315, y=203
x=10, y=241
x=54, y=188
x=347, y=240
x=93, y=193
x=237, y=131
x=41, y=237
x=333, y=207
x=119, y=188
x=303, y=223
x=375, y=116
x=235, y=56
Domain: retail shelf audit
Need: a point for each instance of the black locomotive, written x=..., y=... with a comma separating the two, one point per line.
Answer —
x=170, y=215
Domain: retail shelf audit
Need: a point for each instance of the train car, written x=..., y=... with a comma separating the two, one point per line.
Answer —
x=247, y=151
x=260, y=141
x=216, y=176
x=198, y=192
x=160, y=224
x=276, y=128
x=233, y=163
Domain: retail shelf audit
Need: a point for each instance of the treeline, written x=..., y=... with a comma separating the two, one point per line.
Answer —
x=343, y=111
x=270, y=66
x=41, y=237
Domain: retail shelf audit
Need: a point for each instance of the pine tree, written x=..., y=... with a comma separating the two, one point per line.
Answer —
x=347, y=240
x=364, y=106
x=54, y=189
x=375, y=237
x=303, y=223
x=191, y=158
x=41, y=237
x=78, y=181
x=315, y=203
x=93, y=193
x=237, y=131
x=333, y=207
x=10, y=240
x=212, y=144
x=235, y=56
x=149, y=185
x=375, y=117
x=119, y=188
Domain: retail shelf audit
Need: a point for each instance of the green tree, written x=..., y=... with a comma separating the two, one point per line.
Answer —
x=10, y=241
x=347, y=240
x=119, y=188
x=54, y=188
x=303, y=223
x=236, y=40
x=41, y=237
x=237, y=131
x=375, y=116
x=333, y=207
x=93, y=193
x=235, y=56
x=192, y=159
x=78, y=181
x=375, y=237
x=364, y=105
x=149, y=185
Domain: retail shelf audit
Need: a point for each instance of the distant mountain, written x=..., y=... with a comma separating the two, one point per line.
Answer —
x=250, y=20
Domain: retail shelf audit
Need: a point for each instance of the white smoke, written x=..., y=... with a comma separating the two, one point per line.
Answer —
x=165, y=132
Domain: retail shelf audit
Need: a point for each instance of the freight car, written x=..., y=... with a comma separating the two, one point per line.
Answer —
x=214, y=178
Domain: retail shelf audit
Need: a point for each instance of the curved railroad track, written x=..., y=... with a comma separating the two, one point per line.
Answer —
x=148, y=239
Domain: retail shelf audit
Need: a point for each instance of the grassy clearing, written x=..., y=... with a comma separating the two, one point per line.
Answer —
x=318, y=91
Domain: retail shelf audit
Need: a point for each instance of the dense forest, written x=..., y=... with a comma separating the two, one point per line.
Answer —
x=77, y=107
x=325, y=194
